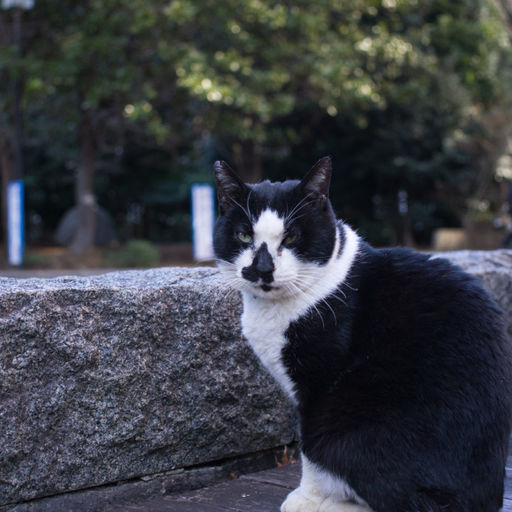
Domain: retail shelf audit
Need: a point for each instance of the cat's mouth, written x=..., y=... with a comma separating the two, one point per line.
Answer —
x=268, y=288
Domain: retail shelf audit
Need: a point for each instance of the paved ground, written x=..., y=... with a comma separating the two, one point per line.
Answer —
x=21, y=273
x=256, y=492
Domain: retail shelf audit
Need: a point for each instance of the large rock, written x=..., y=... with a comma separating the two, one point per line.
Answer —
x=127, y=374
x=130, y=374
x=104, y=232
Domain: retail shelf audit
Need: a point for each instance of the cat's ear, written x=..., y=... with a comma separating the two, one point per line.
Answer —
x=316, y=182
x=231, y=190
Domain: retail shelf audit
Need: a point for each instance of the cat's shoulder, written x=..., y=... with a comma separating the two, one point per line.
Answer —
x=403, y=276
x=402, y=262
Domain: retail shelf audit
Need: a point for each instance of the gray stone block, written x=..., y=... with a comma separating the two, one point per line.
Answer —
x=114, y=377
x=132, y=374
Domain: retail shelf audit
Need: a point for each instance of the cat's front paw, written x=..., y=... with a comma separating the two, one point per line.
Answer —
x=297, y=501
x=330, y=505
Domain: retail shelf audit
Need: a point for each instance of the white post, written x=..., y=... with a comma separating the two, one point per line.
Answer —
x=22, y=4
x=15, y=223
x=203, y=218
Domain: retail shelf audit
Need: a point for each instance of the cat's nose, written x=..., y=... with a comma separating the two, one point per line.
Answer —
x=262, y=266
x=264, y=263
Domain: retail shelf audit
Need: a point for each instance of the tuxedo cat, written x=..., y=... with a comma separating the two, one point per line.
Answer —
x=396, y=361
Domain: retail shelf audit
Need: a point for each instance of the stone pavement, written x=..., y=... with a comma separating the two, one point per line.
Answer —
x=256, y=492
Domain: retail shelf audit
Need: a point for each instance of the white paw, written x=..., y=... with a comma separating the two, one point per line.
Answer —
x=330, y=505
x=296, y=501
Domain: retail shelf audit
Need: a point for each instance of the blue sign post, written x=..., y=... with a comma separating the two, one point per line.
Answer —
x=15, y=223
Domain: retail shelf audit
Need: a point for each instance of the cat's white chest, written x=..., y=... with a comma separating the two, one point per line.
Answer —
x=264, y=324
x=265, y=321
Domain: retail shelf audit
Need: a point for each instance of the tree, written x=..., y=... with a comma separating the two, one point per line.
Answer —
x=397, y=92
x=256, y=62
x=10, y=98
x=87, y=61
x=416, y=82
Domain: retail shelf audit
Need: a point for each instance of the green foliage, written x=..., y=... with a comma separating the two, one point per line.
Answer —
x=136, y=253
x=398, y=91
x=36, y=260
x=261, y=60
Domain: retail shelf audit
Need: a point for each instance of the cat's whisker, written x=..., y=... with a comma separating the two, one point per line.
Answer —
x=288, y=213
x=338, y=298
x=251, y=218
x=296, y=217
x=303, y=285
x=247, y=214
x=293, y=216
x=324, y=301
x=312, y=304
x=304, y=278
x=224, y=294
x=313, y=274
x=294, y=209
x=283, y=278
x=349, y=286
x=307, y=279
x=230, y=277
x=225, y=262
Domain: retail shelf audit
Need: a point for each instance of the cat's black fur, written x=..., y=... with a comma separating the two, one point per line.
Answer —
x=403, y=375
x=404, y=393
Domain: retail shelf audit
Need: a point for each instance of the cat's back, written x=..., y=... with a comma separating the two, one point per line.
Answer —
x=425, y=389
x=414, y=291
x=431, y=324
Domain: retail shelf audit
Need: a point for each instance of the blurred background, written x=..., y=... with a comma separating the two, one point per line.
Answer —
x=110, y=110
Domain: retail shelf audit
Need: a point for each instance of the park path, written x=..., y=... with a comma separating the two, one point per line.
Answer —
x=257, y=492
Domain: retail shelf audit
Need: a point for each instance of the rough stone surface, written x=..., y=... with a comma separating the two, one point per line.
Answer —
x=114, y=377
x=122, y=496
x=132, y=374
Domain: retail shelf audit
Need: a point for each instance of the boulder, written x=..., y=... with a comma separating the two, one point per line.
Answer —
x=104, y=233
x=118, y=376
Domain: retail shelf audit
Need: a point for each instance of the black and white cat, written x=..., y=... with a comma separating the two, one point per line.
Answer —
x=396, y=361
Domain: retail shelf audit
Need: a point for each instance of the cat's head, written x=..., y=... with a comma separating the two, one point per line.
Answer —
x=272, y=239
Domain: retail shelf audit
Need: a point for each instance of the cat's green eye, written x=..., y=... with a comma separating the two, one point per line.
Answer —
x=290, y=240
x=244, y=237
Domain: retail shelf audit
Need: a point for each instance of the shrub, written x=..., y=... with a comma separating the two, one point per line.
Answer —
x=136, y=253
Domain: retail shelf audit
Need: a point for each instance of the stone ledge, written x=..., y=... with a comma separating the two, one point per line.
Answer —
x=128, y=375
x=115, y=377
x=122, y=495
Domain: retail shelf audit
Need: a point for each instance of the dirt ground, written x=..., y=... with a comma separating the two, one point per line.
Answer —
x=58, y=261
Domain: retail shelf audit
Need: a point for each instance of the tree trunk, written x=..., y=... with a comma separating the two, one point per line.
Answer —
x=247, y=156
x=7, y=168
x=83, y=240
